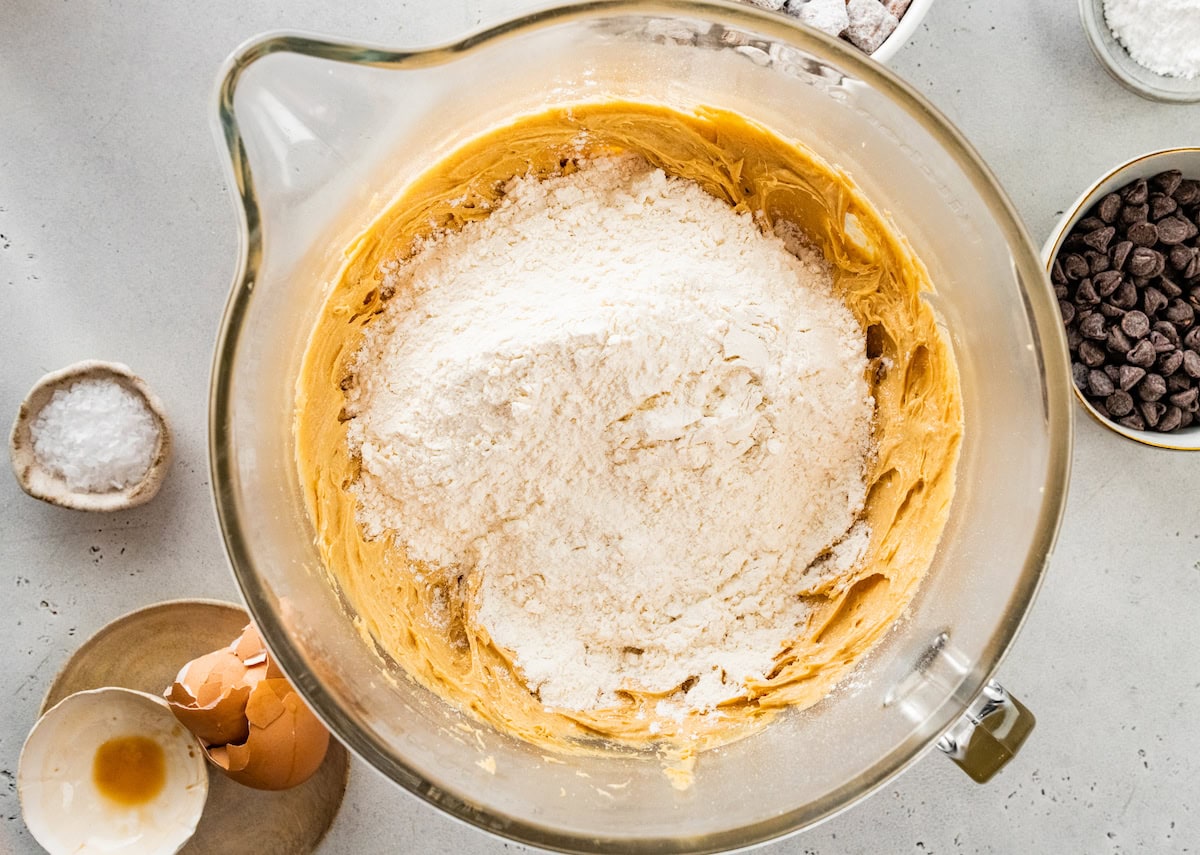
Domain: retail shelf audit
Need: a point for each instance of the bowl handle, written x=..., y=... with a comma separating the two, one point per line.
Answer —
x=989, y=733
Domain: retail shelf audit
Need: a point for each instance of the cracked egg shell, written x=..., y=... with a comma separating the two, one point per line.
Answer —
x=111, y=770
x=286, y=743
x=252, y=724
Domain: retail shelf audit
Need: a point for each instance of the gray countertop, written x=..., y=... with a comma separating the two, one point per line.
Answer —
x=118, y=241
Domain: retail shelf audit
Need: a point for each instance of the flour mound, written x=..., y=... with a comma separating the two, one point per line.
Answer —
x=633, y=419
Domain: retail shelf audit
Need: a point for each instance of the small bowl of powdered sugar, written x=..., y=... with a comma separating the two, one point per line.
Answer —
x=91, y=437
x=1152, y=47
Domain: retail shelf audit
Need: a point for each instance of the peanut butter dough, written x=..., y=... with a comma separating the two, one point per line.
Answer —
x=917, y=426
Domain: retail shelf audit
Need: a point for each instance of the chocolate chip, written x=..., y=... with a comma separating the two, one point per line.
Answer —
x=1169, y=288
x=1118, y=342
x=1097, y=261
x=1168, y=331
x=1119, y=403
x=1119, y=253
x=1186, y=419
x=1171, y=231
x=1161, y=205
x=1187, y=193
x=1167, y=182
x=1192, y=339
x=1059, y=277
x=1169, y=362
x=1109, y=207
x=1067, y=310
x=1074, y=339
x=1106, y=282
x=1133, y=421
x=1099, y=384
x=1152, y=387
x=1085, y=294
x=1158, y=341
x=1099, y=239
x=1143, y=234
x=1152, y=411
x=1180, y=313
x=1153, y=300
x=1093, y=327
x=1144, y=261
x=1092, y=355
x=1184, y=400
x=1114, y=373
x=1181, y=256
x=1079, y=374
x=1089, y=224
x=1135, y=324
x=1129, y=376
x=1111, y=311
x=1131, y=214
x=1136, y=192
x=1170, y=419
x=1075, y=266
x=1125, y=297
x=1191, y=364
x=1178, y=382
x=1142, y=355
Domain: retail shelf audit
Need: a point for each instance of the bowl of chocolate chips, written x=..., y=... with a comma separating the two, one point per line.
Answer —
x=1125, y=266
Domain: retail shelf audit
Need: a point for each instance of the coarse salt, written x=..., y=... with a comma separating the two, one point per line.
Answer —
x=96, y=435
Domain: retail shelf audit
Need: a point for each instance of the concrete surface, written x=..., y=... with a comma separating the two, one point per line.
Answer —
x=117, y=241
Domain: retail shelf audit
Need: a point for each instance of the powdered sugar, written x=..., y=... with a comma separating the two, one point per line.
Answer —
x=1161, y=35
x=96, y=435
x=634, y=419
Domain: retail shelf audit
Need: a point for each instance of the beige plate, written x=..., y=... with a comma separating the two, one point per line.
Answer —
x=144, y=650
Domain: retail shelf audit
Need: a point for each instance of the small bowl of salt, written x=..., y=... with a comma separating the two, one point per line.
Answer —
x=91, y=437
x=1152, y=47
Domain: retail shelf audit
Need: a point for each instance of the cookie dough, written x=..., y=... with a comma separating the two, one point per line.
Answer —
x=912, y=377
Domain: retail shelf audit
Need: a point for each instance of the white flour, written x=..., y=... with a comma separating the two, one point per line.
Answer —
x=635, y=417
x=1161, y=35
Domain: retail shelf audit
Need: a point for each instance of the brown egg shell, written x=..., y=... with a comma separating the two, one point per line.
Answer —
x=222, y=721
x=210, y=693
x=286, y=742
x=250, y=648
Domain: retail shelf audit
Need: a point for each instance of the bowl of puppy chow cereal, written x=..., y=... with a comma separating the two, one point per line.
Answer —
x=613, y=455
x=878, y=28
x=1124, y=261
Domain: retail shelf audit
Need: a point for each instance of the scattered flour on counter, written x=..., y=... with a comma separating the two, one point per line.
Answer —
x=633, y=418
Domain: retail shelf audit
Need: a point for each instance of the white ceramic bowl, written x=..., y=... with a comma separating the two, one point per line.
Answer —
x=1187, y=161
x=900, y=36
x=1123, y=67
x=69, y=812
x=49, y=486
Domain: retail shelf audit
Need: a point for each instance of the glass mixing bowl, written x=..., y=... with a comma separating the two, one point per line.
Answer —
x=321, y=137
